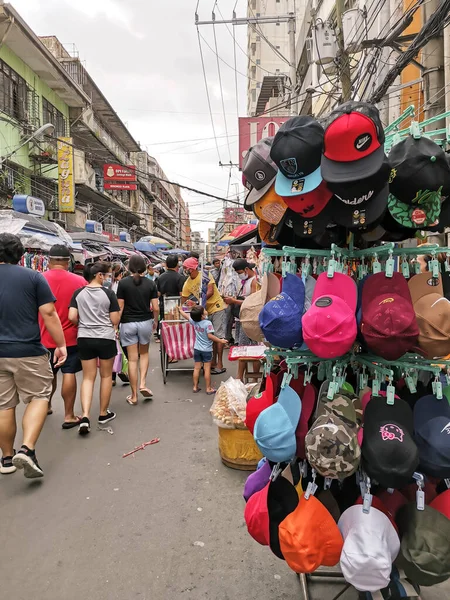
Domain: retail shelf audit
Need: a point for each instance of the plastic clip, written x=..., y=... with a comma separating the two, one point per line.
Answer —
x=390, y=265
x=308, y=375
x=433, y=266
x=311, y=488
x=410, y=383
x=420, y=494
x=331, y=266
x=375, y=385
x=367, y=497
x=306, y=268
x=437, y=387
x=405, y=268
x=390, y=393
x=286, y=380
x=376, y=265
x=276, y=471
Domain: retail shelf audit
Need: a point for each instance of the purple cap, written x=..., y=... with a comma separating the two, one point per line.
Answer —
x=257, y=480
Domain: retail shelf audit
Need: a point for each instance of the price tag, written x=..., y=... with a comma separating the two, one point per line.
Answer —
x=375, y=387
x=420, y=499
x=389, y=267
x=376, y=266
x=411, y=385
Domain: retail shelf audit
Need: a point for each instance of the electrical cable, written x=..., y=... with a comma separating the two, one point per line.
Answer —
x=221, y=90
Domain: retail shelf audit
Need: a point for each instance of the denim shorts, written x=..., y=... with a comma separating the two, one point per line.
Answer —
x=202, y=356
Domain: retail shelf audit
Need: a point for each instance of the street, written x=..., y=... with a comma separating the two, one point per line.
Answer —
x=166, y=523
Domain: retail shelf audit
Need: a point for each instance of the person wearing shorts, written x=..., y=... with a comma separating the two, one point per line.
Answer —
x=96, y=311
x=25, y=370
x=139, y=306
x=63, y=285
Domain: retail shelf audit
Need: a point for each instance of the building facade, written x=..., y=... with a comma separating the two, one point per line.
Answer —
x=197, y=242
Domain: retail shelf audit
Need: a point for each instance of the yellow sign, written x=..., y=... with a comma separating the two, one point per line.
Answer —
x=66, y=183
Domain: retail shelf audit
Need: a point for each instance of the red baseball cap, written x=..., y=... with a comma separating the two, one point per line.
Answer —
x=312, y=203
x=381, y=506
x=392, y=502
x=256, y=516
x=353, y=143
x=329, y=325
x=442, y=503
x=309, y=398
x=388, y=325
x=260, y=402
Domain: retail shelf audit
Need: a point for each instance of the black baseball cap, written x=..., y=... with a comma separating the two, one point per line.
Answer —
x=432, y=431
x=296, y=150
x=389, y=452
x=359, y=212
x=258, y=171
x=282, y=500
x=417, y=165
x=309, y=227
x=59, y=251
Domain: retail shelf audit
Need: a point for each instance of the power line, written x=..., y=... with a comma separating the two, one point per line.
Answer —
x=221, y=91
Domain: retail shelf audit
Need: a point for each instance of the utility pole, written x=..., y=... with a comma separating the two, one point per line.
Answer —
x=344, y=58
x=289, y=19
x=433, y=72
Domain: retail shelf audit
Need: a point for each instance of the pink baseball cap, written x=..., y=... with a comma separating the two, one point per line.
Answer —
x=190, y=263
x=329, y=325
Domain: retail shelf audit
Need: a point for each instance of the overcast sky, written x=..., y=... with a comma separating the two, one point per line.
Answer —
x=144, y=56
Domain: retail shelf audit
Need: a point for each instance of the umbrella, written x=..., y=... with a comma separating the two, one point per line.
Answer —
x=156, y=241
x=145, y=246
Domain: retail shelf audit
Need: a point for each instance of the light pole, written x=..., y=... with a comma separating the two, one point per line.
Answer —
x=47, y=128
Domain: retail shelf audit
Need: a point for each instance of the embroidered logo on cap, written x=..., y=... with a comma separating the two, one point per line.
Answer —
x=392, y=175
x=260, y=175
x=363, y=142
x=386, y=301
x=297, y=185
x=355, y=201
x=391, y=432
x=324, y=302
x=418, y=216
x=433, y=281
x=289, y=165
x=446, y=429
x=359, y=217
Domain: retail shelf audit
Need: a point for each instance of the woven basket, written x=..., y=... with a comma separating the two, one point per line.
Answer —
x=238, y=449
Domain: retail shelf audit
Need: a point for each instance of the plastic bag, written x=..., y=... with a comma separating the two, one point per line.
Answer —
x=124, y=363
x=229, y=406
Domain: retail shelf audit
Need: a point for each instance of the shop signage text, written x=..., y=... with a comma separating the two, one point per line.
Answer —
x=120, y=186
x=29, y=205
x=66, y=183
x=119, y=173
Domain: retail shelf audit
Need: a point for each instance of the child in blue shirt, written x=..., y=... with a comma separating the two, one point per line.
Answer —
x=203, y=346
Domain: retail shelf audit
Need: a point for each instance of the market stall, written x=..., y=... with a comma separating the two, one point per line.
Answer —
x=353, y=414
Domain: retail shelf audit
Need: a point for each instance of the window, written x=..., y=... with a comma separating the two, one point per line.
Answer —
x=51, y=114
x=258, y=61
x=13, y=93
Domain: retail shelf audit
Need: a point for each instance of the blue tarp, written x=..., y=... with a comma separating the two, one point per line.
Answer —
x=145, y=247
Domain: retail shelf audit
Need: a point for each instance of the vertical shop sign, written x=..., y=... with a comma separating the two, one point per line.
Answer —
x=66, y=183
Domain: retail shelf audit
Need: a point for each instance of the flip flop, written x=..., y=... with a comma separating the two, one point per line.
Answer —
x=211, y=392
x=71, y=424
x=197, y=391
x=50, y=412
x=217, y=371
x=146, y=393
x=129, y=401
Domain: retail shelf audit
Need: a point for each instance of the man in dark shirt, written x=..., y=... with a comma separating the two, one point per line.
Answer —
x=169, y=284
x=25, y=370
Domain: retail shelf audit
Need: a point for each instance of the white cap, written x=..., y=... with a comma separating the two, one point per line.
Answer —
x=371, y=544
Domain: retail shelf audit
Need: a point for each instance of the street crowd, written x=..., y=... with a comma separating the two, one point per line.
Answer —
x=58, y=321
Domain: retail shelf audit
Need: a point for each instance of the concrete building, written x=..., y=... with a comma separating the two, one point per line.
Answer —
x=211, y=245
x=197, y=242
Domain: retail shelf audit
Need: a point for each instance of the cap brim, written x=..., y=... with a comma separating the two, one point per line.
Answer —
x=339, y=172
x=360, y=216
x=286, y=187
x=254, y=195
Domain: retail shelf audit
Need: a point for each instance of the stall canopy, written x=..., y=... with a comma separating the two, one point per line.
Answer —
x=176, y=251
x=145, y=246
x=160, y=243
x=238, y=232
x=34, y=232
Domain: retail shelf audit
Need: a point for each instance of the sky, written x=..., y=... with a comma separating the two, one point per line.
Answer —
x=144, y=55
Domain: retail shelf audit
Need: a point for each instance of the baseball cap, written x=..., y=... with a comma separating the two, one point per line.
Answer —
x=388, y=320
x=312, y=203
x=270, y=207
x=59, y=251
x=260, y=402
x=442, y=503
x=253, y=304
x=308, y=404
x=296, y=150
x=259, y=171
x=256, y=516
x=350, y=212
x=329, y=326
x=417, y=165
x=190, y=263
x=331, y=444
x=281, y=318
x=282, y=499
x=366, y=396
x=308, y=226
x=371, y=544
x=309, y=537
x=422, y=212
x=432, y=435
x=389, y=453
x=432, y=313
x=392, y=502
x=353, y=143
x=274, y=430
x=425, y=544
x=257, y=480
x=270, y=233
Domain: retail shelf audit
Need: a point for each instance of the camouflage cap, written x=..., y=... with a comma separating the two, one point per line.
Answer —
x=332, y=446
x=344, y=405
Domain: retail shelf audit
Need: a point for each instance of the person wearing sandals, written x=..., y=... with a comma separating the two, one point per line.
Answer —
x=203, y=346
x=96, y=311
x=139, y=306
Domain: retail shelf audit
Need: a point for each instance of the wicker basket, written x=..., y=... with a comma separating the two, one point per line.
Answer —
x=238, y=449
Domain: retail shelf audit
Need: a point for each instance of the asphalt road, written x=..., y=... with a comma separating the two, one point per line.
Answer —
x=166, y=524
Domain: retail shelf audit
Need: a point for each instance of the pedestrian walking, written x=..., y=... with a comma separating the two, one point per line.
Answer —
x=118, y=272
x=63, y=285
x=193, y=290
x=151, y=273
x=25, y=370
x=139, y=306
x=96, y=311
x=203, y=346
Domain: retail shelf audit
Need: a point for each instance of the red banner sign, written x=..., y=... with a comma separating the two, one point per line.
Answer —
x=120, y=186
x=119, y=173
x=254, y=129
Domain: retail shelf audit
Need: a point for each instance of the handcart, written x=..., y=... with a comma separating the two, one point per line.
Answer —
x=177, y=338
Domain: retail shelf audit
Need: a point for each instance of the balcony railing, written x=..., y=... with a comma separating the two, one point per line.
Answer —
x=89, y=120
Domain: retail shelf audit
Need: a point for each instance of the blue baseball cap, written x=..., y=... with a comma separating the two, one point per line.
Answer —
x=281, y=318
x=275, y=427
x=284, y=186
x=432, y=435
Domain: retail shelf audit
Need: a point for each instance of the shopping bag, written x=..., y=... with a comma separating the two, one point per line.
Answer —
x=178, y=340
x=117, y=365
x=124, y=364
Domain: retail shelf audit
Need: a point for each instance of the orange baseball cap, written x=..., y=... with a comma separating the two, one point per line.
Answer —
x=260, y=402
x=309, y=537
x=271, y=207
x=256, y=516
x=268, y=232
